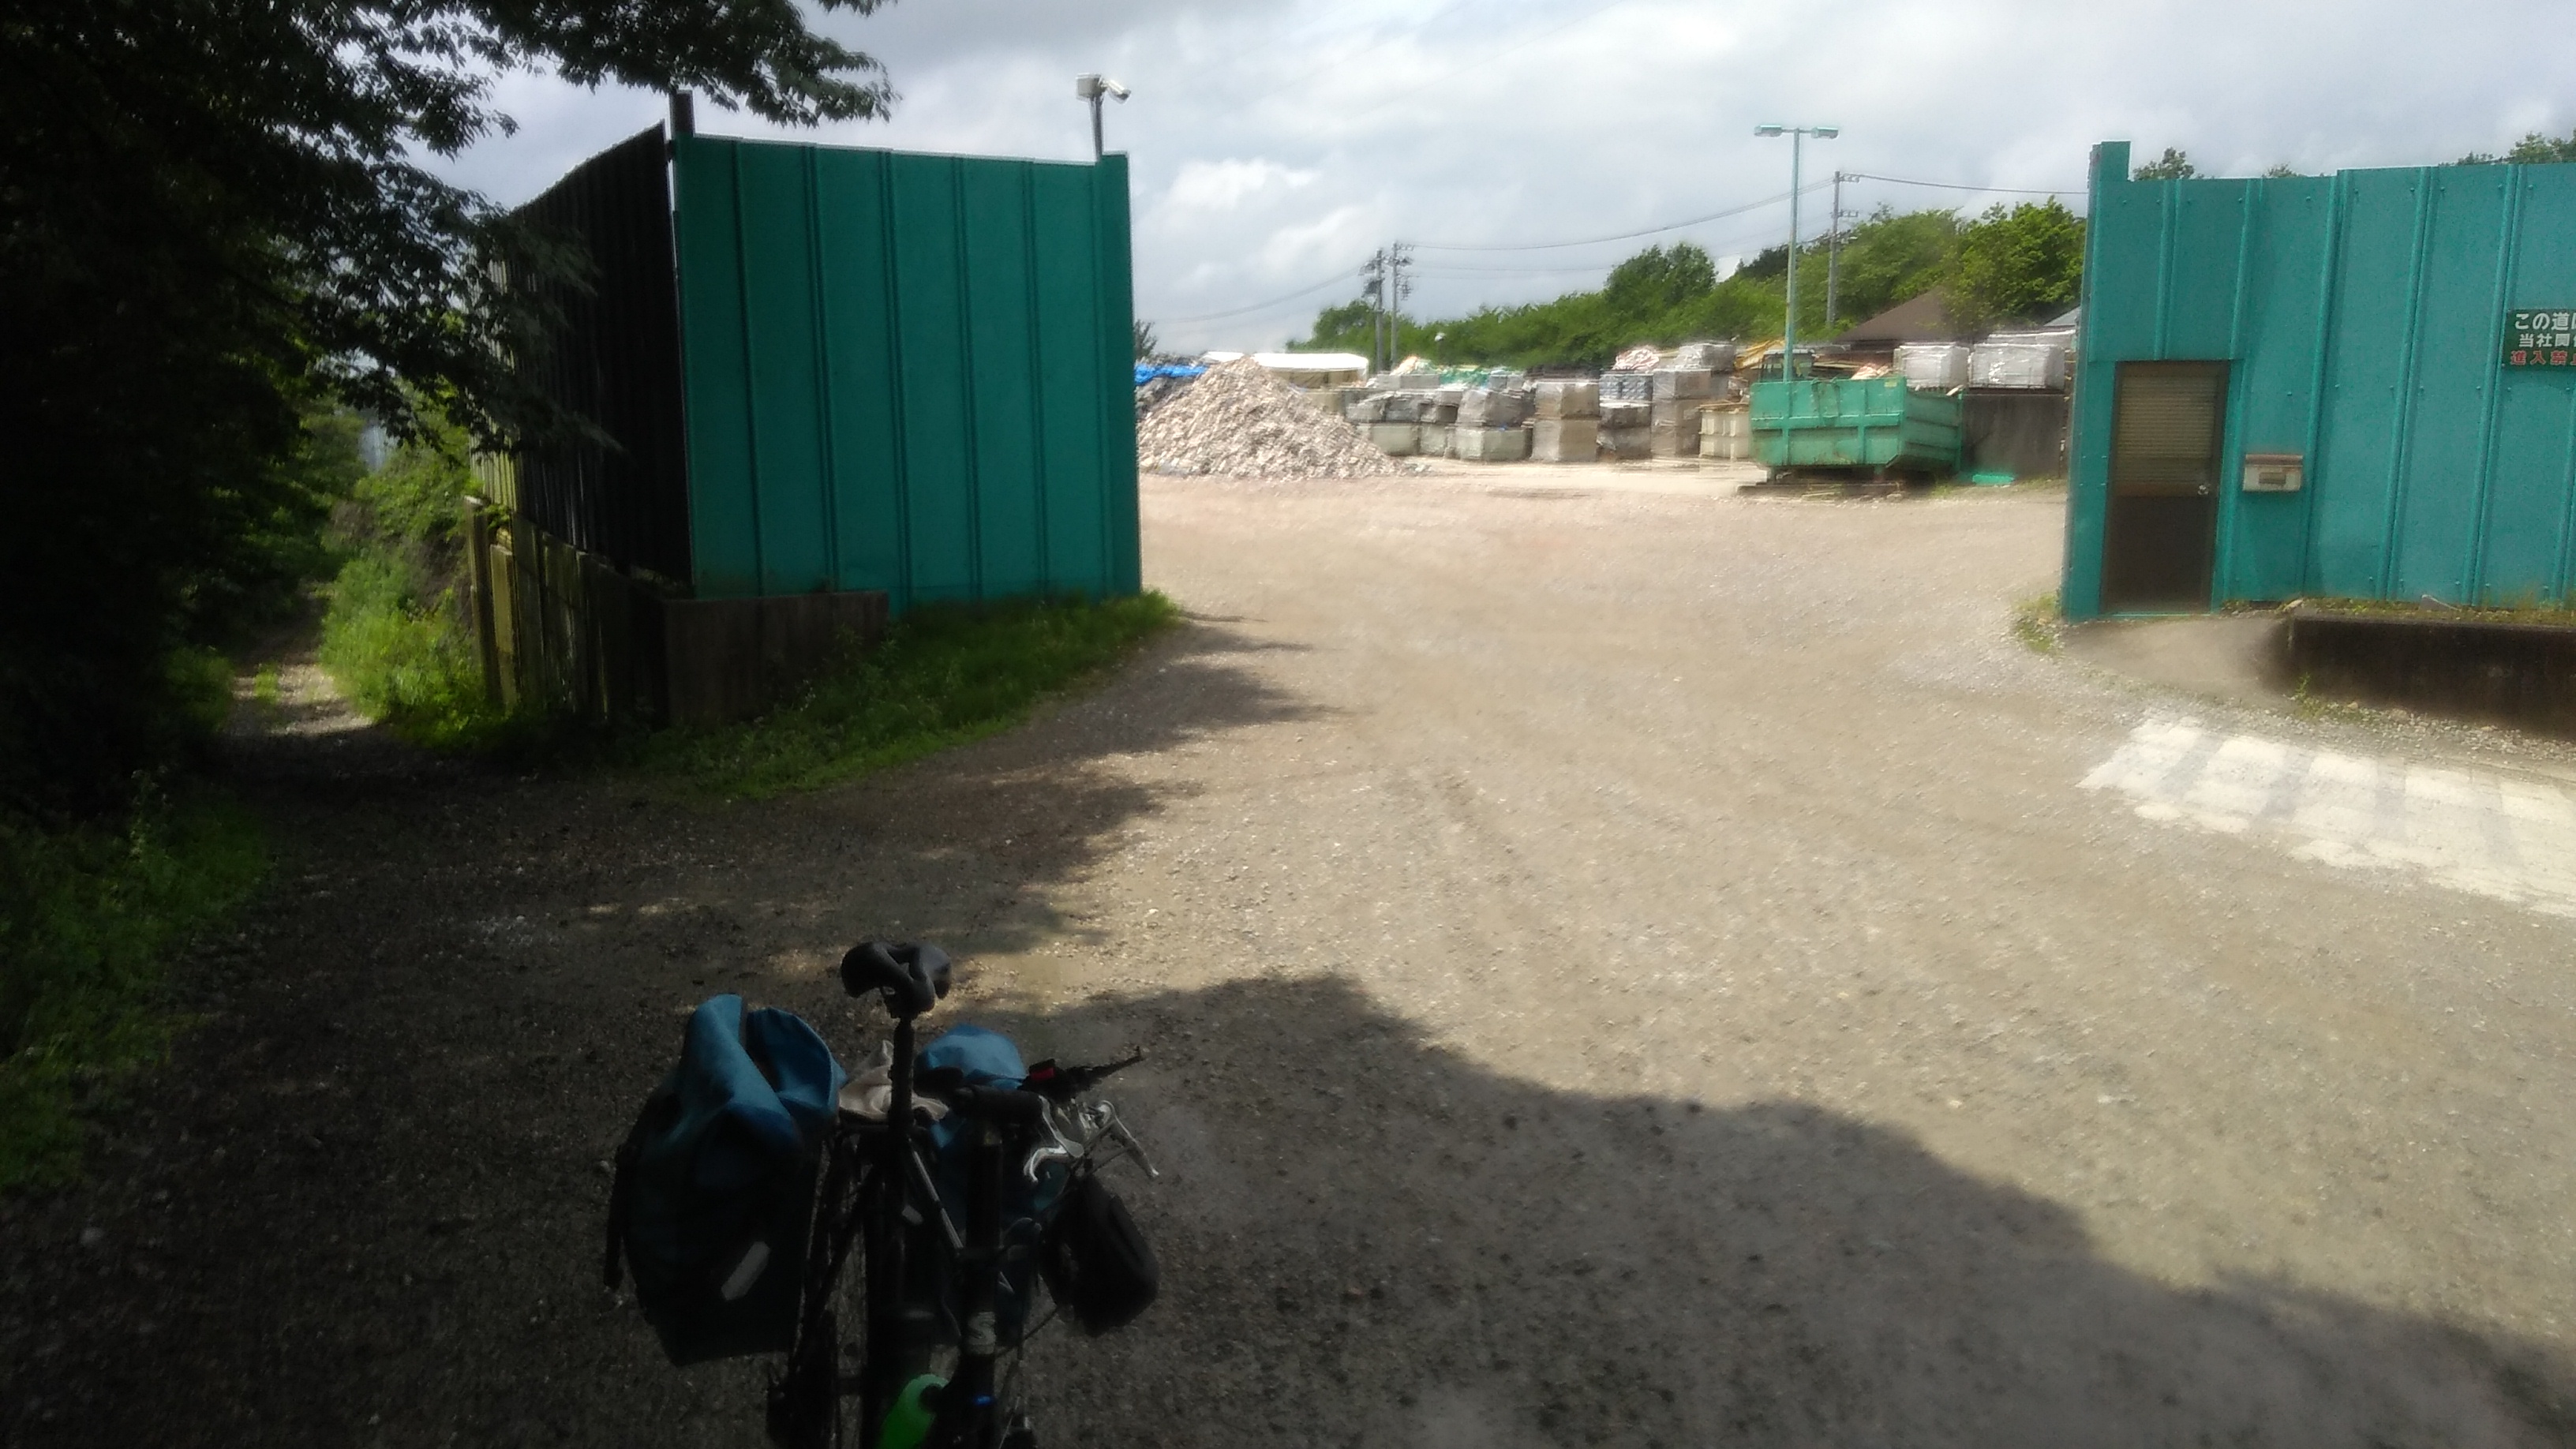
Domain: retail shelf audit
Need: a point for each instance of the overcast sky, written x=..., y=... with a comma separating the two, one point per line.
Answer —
x=1276, y=143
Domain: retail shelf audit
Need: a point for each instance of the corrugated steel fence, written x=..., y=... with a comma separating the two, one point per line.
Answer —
x=857, y=380
x=2364, y=325
x=905, y=372
x=615, y=361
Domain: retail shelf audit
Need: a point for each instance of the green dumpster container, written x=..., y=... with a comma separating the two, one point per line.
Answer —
x=1875, y=424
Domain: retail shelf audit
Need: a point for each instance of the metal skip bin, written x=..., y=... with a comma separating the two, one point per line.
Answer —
x=1876, y=424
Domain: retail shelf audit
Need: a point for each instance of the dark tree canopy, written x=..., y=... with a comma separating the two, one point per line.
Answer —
x=2171, y=166
x=1660, y=278
x=2017, y=265
x=2534, y=149
x=211, y=217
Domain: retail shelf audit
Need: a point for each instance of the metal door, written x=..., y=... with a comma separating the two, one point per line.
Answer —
x=2167, y=420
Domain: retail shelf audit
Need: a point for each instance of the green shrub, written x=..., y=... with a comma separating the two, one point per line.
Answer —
x=401, y=657
x=944, y=675
x=88, y=916
x=396, y=637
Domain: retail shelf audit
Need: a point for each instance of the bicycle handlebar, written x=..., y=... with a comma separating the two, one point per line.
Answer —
x=996, y=1104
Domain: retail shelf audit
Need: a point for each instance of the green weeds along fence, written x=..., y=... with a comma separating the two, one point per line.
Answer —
x=901, y=379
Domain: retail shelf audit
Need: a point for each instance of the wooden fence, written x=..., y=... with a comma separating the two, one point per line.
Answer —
x=564, y=631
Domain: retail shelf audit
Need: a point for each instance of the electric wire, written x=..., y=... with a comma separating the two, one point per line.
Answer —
x=1341, y=276
x=1810, y=187
x=1961, y=185
x=1453, y=270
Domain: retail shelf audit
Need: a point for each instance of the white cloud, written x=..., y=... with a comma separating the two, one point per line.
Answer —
x=1222, y=186
x=1275, y=144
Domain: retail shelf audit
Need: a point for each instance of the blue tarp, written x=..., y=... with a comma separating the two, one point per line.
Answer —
x=1147, y=371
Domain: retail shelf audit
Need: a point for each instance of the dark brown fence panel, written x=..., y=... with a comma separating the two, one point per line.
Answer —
x=614, y=360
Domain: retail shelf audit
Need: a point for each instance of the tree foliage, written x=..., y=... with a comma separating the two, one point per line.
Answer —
x=2171, y=166
x=213, y=218
x=1657, y=280
x=2534, y=149
x=2020, y=264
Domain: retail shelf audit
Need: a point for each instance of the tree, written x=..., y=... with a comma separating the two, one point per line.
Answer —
x=2171, y=166
x=212, y=220
x=1342, y=328
x=1147, y=344
x=2534, y=149
x=1659, y=279
x=1890, y=257
x=2020, y=264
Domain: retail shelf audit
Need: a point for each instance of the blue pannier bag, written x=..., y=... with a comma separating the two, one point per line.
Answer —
x=714, y=1188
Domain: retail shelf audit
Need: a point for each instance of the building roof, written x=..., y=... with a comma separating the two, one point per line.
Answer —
x=1916, y=319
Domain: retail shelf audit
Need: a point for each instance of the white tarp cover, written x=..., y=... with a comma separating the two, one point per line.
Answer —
x=1937, y=366
x=2038, y=363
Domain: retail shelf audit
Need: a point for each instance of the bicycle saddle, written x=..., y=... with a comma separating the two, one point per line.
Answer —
x=912, y=975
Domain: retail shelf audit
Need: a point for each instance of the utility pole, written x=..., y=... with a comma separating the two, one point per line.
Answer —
x=1374, y=288
x=1797, y=181
x=1834, y=257
x=1399, y=261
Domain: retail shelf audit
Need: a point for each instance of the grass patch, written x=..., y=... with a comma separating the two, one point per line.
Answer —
x=88, y=918
x=944, y=675
x=2038, y=623
x=396, y=637
x=401, y=654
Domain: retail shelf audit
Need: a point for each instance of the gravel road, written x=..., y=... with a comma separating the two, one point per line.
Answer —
x=1622, y=965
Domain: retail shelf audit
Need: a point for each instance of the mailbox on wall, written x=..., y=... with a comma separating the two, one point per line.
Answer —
x=2273, y=472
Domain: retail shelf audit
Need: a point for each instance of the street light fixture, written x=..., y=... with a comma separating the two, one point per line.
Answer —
x=1797, y=137
x=1091, y=88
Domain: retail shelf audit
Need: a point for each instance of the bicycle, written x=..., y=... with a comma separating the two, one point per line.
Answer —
x=938, y=1306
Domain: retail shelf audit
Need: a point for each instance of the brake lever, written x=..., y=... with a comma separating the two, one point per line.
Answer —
x=1117, y=1127
x=1058, y=1150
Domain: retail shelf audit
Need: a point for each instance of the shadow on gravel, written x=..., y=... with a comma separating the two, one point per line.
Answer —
x=362, y=1203
x=1369, y=1240
x=363, y=1207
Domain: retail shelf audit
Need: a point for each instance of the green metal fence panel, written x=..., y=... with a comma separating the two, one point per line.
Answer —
x=2364, y=318
x=724, y=520
x=2532, y=483
x=906, y=372
x=2441, y=480
x=2263, y=542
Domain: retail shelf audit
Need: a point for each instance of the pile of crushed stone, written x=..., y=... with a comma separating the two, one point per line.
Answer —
x=1240, y=421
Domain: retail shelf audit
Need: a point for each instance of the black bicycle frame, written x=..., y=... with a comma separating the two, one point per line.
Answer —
x=883, y=1221
x=969, y=1404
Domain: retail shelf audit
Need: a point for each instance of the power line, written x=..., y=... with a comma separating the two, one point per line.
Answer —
x=1621, y=236
x=1455, y=270
x=1961, y=185
x=1341, y=276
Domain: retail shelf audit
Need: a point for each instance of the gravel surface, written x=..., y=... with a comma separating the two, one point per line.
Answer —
x=1620, y=967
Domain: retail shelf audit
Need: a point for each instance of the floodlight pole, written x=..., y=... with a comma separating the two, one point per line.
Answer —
x=1797, y=180
x=1091, y=88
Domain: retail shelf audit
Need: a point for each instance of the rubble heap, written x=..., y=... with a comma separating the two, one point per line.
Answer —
x=1240, y=421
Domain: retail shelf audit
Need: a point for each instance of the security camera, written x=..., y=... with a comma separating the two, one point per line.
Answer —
x=1114, y=88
